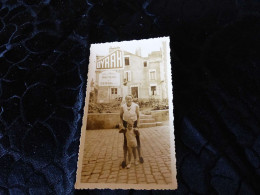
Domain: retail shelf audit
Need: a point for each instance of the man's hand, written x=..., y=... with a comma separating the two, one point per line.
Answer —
x=121, y=128
x=136, y=132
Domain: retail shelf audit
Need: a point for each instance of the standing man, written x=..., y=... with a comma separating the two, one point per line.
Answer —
x=130, y=111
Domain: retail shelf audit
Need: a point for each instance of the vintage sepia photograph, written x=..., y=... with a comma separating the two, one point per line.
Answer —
x=127, y=135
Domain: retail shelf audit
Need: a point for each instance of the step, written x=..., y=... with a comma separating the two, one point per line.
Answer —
x=148, y=120
x=146, y=112
x=145, y=125
x=159, y=124
x=146, y=116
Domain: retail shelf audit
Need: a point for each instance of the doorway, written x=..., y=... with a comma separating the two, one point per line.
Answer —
x=134, y=92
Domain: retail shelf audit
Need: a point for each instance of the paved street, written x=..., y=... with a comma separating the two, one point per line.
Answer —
x=103, y=155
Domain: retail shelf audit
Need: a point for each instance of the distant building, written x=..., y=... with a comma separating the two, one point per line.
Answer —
x=121, y=73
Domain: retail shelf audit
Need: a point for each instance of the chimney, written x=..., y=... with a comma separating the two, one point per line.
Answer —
x=138, y=51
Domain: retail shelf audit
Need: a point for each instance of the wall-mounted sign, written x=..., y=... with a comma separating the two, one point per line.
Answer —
x=112, y=61
x=109, y=78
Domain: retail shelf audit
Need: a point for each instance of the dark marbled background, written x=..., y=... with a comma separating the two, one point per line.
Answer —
x=44, y=50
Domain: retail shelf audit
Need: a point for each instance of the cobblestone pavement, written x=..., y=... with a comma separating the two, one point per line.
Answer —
x=103, y=155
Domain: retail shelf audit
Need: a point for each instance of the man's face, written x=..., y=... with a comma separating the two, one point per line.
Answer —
x=128, y=100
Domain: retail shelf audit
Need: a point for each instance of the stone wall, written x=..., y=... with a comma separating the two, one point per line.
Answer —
x=103, y=120
x=160, y=115
x=110, y=120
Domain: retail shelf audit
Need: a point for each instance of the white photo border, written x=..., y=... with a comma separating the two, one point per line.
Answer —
x=173, y=185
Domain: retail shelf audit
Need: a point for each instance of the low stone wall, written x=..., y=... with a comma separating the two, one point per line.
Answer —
x=110, y=120
x=160, y=115
x=103, y=120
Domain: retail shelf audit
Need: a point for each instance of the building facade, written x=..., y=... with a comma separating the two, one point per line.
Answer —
x=121, y=73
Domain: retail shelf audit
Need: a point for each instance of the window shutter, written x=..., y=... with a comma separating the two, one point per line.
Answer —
x=129, y=76
x=125, y=75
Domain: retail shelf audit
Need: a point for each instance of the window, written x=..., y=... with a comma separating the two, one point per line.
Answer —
x=127, y=62
x=152, y=75
x=134, y=92
x=153, y=90
x=128, y=75
x=113, y=90
x=145, y=63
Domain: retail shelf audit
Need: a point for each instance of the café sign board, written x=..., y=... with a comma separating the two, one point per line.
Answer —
x=112, y=61
x=109, y=78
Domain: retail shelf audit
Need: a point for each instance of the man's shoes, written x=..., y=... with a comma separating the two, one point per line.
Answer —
x=141, y=159
x=123, y=164
x=136, y=163
x=128, y=166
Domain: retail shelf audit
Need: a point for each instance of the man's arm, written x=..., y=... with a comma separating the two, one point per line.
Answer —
x=121, y=115
x=138, y=115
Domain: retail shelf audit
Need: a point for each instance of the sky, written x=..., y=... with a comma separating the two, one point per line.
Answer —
x=146, y=45
x=102, y=49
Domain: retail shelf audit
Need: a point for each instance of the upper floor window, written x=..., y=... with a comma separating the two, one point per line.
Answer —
x=152, y=75
x=127, y=75
x=145, y=63
x=127, y=62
